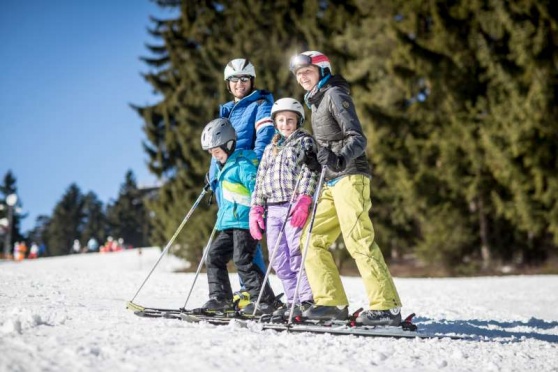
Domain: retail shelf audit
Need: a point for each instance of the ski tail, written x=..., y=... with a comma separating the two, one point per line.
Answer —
x=134, y=307
x=130, y=305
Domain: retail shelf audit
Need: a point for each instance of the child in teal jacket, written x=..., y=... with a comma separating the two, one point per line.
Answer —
x=236, y=177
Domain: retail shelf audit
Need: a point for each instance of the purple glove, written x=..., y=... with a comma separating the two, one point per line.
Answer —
x=300, y=211
x=257, y=224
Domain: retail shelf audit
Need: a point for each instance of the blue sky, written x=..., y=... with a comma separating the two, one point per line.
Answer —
x=69, y=70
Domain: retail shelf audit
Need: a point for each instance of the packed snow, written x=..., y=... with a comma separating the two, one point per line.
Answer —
x=69, y=314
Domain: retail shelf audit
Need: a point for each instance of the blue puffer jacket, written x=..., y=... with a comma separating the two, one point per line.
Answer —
x=237, y=180
x=251, y=118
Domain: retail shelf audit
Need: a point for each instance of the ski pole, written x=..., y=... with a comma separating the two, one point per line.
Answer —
x=274, y=253
x=310, y=227
x=204, y=256
x=186, y=218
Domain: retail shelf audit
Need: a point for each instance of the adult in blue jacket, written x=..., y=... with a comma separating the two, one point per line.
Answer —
x=250, y=115
x=250, y=110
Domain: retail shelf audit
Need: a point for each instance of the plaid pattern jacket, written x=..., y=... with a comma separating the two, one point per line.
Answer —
x=278, y=173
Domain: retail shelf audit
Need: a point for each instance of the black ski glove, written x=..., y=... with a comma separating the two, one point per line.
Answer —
x=334, y=162
x=207, y=185
x=311, y=161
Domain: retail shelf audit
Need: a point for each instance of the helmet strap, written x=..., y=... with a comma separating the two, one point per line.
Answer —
x=229, y=147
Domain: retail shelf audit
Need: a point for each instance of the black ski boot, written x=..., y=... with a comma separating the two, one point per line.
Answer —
x=284, y=311
x=390, y=317
x=216, y=305
x=264, y=308
x=325, y=313
x=285, y=308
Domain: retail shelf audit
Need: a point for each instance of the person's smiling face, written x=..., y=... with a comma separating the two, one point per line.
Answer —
x=286, y=122
x=240, y=86
x=219, y=154
x=308, y=77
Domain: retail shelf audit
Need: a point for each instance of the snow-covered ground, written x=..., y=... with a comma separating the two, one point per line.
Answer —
x=68, y=314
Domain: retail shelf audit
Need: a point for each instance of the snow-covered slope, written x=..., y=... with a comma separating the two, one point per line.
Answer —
x=68, y=314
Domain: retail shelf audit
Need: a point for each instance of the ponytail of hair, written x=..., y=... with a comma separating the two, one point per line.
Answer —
x=275, y=141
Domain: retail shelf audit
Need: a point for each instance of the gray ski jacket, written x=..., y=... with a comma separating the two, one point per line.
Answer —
x=335, y=125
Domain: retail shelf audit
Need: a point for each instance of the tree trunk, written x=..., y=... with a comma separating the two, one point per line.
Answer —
x=483, y=226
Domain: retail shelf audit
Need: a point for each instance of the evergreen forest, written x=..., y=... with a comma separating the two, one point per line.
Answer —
x=81, y=216
x=458, y=100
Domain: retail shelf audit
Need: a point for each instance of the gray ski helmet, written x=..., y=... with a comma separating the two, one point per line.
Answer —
x=288, y=104
x=219, y=133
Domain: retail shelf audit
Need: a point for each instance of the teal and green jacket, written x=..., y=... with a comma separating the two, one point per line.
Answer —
x=237, y=180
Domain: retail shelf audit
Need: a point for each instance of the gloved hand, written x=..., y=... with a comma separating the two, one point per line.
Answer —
x=300, y=211
x=207, y=185
x=257, y=224
x=311, y=161
x=327, y=157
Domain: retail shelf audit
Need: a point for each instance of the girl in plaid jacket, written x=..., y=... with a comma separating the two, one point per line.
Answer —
x=280, y=168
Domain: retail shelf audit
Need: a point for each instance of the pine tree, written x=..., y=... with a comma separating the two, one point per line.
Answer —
x=435, y=66
x=9, y=187
x=432, y=126
x=94, y=224
x=518, y=49
x=367, y=44
x=39, y=233
x=64, y=226
x=188, y=72
x=127, y=216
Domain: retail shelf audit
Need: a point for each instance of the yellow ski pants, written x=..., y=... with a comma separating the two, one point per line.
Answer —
x=343, y=208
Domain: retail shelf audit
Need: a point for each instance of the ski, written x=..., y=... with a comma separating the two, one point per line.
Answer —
x=406, y=330
x=153, y=312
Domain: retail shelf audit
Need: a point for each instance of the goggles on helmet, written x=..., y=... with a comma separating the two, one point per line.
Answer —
x=299, y=61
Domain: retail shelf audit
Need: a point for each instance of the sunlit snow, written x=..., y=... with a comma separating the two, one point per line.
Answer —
x=69, y=314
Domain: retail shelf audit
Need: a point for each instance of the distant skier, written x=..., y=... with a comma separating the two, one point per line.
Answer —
x=33, y=251
x=92, y=245
x=76, y=247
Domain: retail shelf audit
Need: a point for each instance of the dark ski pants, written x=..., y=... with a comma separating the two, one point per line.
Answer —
x=258, y=255
x=239, y=245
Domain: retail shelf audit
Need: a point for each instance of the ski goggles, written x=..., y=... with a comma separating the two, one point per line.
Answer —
x=299, y=61
x=235, y=79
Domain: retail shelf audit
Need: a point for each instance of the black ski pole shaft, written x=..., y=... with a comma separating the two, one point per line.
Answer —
x=310, y=227
x=169, y=244
x=200, y=265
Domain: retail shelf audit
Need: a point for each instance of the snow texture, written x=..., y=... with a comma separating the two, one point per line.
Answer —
x=69, y=314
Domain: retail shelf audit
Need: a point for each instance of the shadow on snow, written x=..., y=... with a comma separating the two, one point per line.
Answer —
x=486, y=330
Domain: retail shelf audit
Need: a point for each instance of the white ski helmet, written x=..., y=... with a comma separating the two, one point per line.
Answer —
x=311, y=57
x=239, y=67
x=288, y=104
x=219, y=133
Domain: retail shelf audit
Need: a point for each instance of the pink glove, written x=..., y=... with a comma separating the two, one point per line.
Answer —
x=300, y=211
x=257, y=224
